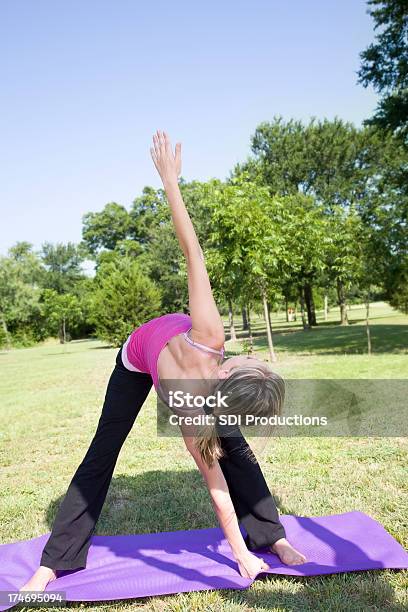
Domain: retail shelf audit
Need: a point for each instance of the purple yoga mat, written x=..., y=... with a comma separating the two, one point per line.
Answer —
x=129, y=566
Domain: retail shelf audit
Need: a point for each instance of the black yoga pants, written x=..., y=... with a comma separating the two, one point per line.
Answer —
x=75, y=522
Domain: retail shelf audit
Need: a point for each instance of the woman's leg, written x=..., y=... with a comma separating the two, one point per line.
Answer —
x=253, y=502
x=68, y=544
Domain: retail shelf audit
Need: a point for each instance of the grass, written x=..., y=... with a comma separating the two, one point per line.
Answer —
x=51, y=401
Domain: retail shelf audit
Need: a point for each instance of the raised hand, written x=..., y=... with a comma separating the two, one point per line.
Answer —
x=168, y=164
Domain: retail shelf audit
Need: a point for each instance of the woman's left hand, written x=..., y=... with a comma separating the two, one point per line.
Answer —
x=168, y=164
x=250, y=565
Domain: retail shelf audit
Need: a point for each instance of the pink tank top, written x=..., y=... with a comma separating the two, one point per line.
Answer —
x=145, y=343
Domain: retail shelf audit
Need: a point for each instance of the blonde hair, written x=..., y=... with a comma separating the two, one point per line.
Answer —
x=251, y=390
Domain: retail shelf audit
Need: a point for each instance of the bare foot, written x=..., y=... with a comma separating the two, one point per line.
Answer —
x=40, y=579
x=286, y=553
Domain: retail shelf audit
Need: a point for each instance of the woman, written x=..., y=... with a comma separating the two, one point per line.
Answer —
x=178, y=347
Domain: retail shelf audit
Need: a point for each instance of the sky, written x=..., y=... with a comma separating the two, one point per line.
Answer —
x=85, y=84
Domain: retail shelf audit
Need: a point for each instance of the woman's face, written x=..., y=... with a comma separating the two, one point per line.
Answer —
x=239, y=361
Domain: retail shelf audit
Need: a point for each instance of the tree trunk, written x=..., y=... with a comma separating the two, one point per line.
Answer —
x=302, y=309
x=269, y=314
x=286, y=309
x=368, y=324
x=341, y=295
x=268, y=329
x=326, y=307
x=233, y=335
x=244, y=318
x=62, y=332
x=310, y=306
x=6, y=332
x=249, y=327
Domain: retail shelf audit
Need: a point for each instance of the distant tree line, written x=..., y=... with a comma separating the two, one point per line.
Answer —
x=316, y=214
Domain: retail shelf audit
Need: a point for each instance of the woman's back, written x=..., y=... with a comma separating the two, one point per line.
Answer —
x=145, y=343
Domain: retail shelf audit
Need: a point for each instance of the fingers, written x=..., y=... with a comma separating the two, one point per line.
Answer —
x=262, y=568
x=156, y=145
x=161, y=151
x=167, y=142
x=153, y=154
x=264, y=565
x=162, y=145
x=159, y=143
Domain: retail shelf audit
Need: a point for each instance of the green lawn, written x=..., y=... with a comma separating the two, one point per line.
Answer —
x=51, y=400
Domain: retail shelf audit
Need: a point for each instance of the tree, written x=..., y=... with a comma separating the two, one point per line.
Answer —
x=124, y=298
x=344, y=254
x=248, y=231
x=144, y=215
x=282, y=150
x=19, y=293
x=60, y=310
x=306, y=243
x=383, y=208
x=62, y=263
x=163, y=262
x=105, y=229
x=225, y=283
x=385, y=64
x=347, y=171
x=161, y=257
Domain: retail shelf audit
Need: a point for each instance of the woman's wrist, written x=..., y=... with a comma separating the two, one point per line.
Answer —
x=229, y=524
x=241, y=554
x=170, y=182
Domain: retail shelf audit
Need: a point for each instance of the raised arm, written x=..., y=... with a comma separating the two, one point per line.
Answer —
x=207, y=326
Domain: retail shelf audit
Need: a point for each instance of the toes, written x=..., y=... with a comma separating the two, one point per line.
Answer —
x=299, y=561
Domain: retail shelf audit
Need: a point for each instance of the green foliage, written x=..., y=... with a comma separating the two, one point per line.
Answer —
x=19, y=293
x=145, y=214
x=103, y=230
x=116, y=229
x=397, y=285
x=325, y=159
x=62, y=264
x=318, y=209
x=162, y=258
x=385, y=64
x=164, y=264
x=359, y=179
x=124, y=298
x=344, y=253
x=60, y=310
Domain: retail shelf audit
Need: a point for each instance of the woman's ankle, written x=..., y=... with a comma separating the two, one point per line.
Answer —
x=48, y=570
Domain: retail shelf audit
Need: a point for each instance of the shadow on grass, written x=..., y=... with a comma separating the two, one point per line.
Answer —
x=344, y=593
x=103, y=347
x=152, y=502
x=158, y=501
x=340, y=340
x=359, y=592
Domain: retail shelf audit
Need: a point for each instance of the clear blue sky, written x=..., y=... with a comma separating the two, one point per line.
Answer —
x=86, y=83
